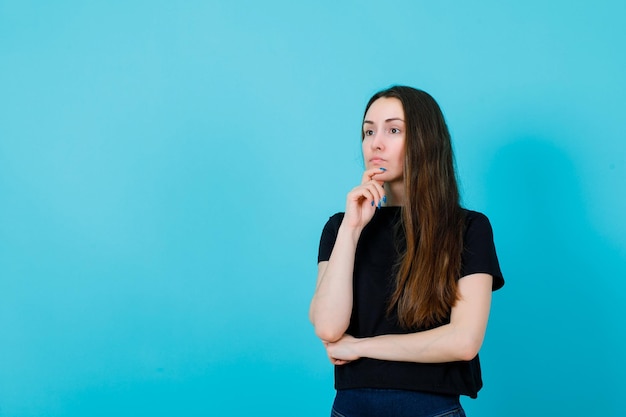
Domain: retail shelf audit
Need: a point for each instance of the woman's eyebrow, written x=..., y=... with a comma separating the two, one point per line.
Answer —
x=393, y=119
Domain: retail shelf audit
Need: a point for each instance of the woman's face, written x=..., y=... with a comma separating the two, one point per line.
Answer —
x=384, y=137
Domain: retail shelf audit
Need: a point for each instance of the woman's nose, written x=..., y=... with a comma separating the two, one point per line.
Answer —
x=377, y=141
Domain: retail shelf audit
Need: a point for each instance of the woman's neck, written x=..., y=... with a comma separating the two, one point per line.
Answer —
x=395, y=193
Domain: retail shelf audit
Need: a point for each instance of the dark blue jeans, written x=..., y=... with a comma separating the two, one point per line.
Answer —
x=394, y=403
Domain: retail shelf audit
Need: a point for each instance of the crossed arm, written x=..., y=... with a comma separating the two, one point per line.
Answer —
x=460, y=340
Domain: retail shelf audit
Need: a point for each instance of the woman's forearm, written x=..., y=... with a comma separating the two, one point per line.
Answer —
x=443, y=344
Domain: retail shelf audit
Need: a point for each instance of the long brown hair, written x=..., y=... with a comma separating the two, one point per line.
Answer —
x=432, y=218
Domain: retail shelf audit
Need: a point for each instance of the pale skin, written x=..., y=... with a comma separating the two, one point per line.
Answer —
x=331, y=306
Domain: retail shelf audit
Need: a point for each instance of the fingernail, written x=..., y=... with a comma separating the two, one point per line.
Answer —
x=372, y=203
x=383, y=169
x=384, y=199
x=380, y=204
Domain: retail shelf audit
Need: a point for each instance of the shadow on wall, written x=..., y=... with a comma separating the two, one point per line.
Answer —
x=559, y=315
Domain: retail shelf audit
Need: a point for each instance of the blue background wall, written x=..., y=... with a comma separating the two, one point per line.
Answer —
x=166, y=169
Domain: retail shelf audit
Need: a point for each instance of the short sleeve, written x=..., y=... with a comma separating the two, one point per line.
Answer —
x=329, y=235
x=479, y=251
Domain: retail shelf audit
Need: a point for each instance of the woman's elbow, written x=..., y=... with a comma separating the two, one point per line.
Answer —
x=326, y=328
x=468, y=347
x=329, y=332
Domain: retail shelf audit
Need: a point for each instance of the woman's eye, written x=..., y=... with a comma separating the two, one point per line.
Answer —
x=368, y=132
x=394, y=130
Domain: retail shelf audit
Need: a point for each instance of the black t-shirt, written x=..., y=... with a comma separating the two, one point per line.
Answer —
x=376, y=256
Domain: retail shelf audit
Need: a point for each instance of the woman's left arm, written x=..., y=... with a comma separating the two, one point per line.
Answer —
x=460, y=340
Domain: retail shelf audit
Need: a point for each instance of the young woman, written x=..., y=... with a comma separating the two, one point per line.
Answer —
x=405, y=275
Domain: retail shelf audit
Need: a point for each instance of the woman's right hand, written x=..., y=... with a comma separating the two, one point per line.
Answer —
x=331, y=307
x=363, y=200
